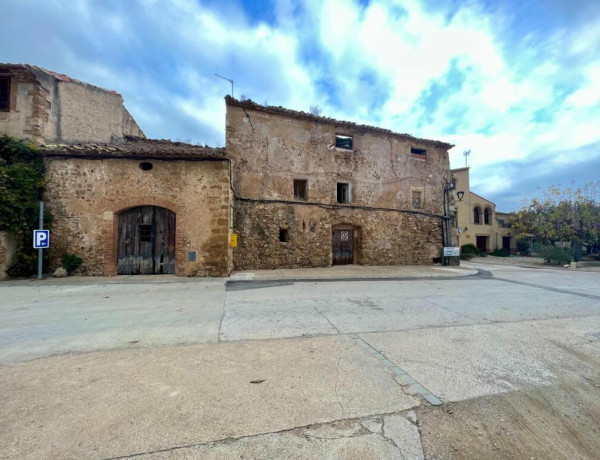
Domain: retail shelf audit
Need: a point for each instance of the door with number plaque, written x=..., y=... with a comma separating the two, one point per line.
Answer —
x=343, y=243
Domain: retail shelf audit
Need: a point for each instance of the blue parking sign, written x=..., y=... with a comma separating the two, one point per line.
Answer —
x=41, y=239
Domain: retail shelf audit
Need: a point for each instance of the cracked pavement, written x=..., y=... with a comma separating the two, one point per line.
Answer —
x=166, y=369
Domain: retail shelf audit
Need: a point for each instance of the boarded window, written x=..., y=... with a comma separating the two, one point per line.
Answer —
x=300, y=189
x=416, y=151
x=283, y=235
x=343, y=192
x=343, y=142
x=4, y=94
x=417, y=199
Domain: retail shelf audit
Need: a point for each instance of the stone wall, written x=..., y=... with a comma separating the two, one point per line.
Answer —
x=50, y=108
x=270, y=147
x=89, y=114
x=384, y=237
x=28, y=106
x=85, y=197
x=8, y=247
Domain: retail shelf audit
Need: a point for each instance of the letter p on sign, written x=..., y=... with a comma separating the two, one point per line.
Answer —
x=41, y=239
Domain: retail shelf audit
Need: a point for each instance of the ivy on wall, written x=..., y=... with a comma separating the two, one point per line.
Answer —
x=22, y=183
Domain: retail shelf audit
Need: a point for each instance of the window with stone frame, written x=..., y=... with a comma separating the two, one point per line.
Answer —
x=344, y=192
x=487, y=216
x=477, y=215
x=417, y=199
x=343, y=142
x=4, y=94
x=301, y=189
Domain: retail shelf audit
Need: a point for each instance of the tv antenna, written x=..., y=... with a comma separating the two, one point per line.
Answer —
x=466, y=154
x=228, y=79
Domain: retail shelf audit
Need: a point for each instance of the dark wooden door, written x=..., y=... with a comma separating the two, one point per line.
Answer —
x=146, y=242
x=506, y=242
x=482, y=243
x=343, y=242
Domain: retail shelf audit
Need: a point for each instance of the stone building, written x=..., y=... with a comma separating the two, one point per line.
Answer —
x=299, y=190
x=140, y=207
x=311, y=191
x=44, y=106
x=478, y=219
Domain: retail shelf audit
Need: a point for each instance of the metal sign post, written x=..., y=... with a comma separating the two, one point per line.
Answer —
x=40, y=250
x=41, y=240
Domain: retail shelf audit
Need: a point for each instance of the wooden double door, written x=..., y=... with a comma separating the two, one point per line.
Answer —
x=146, y=242
x=343, y=247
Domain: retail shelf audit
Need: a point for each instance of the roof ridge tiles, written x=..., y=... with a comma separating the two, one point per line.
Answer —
x=279, y=110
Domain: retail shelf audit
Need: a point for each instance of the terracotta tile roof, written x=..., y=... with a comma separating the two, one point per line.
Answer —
x=249, y=104
x=136, y=148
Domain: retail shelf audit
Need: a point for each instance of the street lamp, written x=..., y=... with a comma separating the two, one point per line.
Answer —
x=460, y=195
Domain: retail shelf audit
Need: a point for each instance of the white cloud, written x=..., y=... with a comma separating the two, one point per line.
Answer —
x=522, y=92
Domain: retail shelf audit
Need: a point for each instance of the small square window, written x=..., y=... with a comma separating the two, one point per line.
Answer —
x=300, y=189
x=343, y=142
x=145, y=233
x=420, y=152
x=284, y=235
x=343, y=192
x=4, y=94
x=417, y=200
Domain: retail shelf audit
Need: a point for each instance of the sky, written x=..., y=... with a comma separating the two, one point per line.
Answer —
x=516, y=82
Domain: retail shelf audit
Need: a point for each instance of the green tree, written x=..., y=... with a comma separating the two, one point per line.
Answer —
x=559, y=215
x=21, y=186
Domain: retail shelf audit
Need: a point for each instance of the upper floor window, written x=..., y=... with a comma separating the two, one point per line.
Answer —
x=477, y=215
x=420, y=152
x=487, y=216
x=4, y=94
x=417, y=199
x=300, y=189
x=343, y=142
x=344, y=192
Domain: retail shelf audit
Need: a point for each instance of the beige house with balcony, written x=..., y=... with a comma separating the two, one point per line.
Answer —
x=478, y=221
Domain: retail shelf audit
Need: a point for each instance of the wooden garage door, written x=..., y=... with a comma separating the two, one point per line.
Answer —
x=146, y=241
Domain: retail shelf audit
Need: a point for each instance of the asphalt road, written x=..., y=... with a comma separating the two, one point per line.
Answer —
x=332, y=368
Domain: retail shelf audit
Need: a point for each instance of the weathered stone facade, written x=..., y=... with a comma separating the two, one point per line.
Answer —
x=271, y=147
x=383, y=237
x=88, y=186
x=53, y=108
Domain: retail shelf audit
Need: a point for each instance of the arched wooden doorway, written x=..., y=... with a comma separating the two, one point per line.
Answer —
x=146, y=242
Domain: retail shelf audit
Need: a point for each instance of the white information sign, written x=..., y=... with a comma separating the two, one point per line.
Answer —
x=451, y=252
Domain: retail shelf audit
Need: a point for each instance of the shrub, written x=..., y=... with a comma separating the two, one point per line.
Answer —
x=554, y=255
x=523, y=246
x=71, y=262
x=21, y=187
x=468, y=251
x=501, y=252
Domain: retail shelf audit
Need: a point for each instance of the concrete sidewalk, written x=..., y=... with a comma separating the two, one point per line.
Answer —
x=337, y=272
x=348, y=272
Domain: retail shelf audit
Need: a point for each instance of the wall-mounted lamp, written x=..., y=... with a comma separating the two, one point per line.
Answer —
x=460, y=195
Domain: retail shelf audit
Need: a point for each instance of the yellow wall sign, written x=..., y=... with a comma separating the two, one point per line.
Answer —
x=233, y=240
